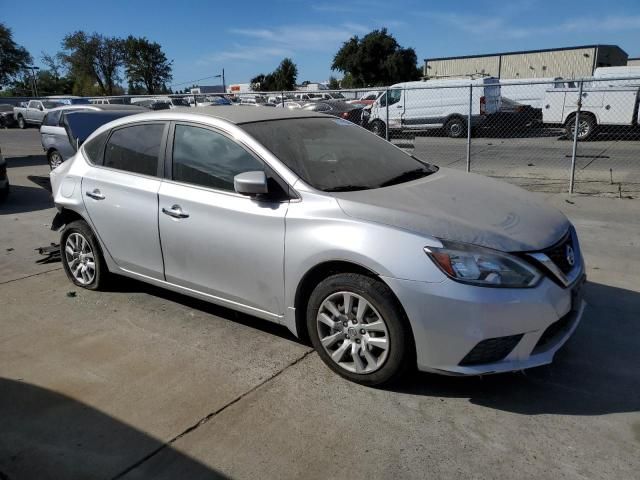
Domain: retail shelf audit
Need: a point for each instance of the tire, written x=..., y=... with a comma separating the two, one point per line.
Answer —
x=55, y=159
x=379, y=128
x=586, y=128
x=72, y=236
x=21, y=123
x=4, y=193
x=381, y=337
x=456, y=127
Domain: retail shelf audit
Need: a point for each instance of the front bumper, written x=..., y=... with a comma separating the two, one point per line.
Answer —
x=450, y=319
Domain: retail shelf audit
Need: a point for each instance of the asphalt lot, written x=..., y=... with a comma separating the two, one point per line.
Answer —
x=137, y=382
x=608, y=165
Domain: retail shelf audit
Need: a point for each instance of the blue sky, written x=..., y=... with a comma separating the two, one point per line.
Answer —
x=247, y=37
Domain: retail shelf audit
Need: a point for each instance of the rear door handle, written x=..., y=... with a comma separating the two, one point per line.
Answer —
x=175, y=212
x=96, y=195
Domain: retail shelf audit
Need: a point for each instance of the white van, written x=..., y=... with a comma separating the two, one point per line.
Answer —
x=425, y=105
x=616, y=76
x=602, y=105
x=530, y=91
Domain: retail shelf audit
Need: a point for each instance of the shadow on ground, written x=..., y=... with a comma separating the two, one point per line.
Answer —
x=23, y=198
x=26, y=161
x=49, y=435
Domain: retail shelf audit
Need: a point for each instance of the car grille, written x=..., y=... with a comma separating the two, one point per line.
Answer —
x=552, y=331
x=491, y=350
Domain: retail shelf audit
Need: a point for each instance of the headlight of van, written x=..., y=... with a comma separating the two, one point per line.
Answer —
x=482, y=266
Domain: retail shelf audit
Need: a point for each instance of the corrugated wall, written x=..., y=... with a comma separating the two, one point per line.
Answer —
x=561, y=63
x=633, y=62
x=462, y=66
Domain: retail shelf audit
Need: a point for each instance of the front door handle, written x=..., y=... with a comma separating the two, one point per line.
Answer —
x=175, y=212
x=399, y=106
x=96, y=195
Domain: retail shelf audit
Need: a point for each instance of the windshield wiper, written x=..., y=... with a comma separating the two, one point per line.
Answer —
x=406, y=176
x=346, y=188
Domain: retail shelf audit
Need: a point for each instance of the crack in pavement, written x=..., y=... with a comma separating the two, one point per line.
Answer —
x=208, y=417
x=29, y=276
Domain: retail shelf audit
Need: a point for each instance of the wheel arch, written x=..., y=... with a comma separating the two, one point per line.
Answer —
x=590, y=113
x=324, y=270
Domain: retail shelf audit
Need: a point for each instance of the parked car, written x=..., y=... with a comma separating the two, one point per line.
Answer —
x=386, y=262
x=292, y=104
x=6, y=116
x=34, y=112
x=55, y=137
x=602, y=106
x=337, y=108
x=109, y=101
x=4, y=179
x=366, y=99
x=68, y=99
x=434, y=104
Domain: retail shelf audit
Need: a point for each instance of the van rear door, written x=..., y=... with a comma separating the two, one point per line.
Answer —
x=491, y=96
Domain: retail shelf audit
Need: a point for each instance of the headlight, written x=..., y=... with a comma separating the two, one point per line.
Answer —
x=482, y=266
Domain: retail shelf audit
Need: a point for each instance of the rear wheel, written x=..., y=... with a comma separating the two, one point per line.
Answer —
x=586, y=127
x=55, y=159
x=21, y=123
x=81, y=257
x=456, y=127
x=358, y=328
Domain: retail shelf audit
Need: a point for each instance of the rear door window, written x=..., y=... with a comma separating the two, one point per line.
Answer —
x=94, y=149
x=135, y=149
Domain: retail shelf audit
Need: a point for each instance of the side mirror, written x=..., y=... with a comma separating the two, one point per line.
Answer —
x=250, y=183
x=41, y=108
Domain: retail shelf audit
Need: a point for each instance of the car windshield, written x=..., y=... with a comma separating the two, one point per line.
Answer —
x=336, y=155
x=337, y=95
x=180, y=102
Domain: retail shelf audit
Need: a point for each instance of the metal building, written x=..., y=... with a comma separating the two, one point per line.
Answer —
x=569, y=62
x=633, y=62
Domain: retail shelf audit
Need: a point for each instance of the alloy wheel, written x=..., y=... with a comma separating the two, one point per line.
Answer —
x=80, y=258
x=353, y=333
x=55, y=159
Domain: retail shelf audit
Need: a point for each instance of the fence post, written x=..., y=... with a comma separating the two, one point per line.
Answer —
x=386, y=130
x=575, y=138
x=282, y=97
x=469, y=128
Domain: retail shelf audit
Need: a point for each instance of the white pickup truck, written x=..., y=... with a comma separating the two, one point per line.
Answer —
x=34, y=112
x=602, y=105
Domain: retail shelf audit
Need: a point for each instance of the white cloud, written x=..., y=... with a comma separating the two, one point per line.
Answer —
x=285, y=41
x=503, y=26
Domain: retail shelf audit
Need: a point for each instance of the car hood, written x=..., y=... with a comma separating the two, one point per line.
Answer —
x=462, y=207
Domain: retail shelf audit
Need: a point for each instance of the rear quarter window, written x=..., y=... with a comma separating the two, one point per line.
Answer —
x=94, y=148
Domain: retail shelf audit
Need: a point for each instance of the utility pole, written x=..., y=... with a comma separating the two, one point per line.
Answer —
x=34, y=80
x=224, y=87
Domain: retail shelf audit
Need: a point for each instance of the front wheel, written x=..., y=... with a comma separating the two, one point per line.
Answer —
x=21, y=123
x=81, y=257
x=358, y=328
x=379, y=128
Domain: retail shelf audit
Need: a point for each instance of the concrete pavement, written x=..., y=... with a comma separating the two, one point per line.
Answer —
x=137, y=382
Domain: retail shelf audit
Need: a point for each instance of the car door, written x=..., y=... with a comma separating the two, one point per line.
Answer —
x=216, y=241
x=34, y=111
x=121, y=195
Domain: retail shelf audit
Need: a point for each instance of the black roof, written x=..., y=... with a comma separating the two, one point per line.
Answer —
x=519, y=52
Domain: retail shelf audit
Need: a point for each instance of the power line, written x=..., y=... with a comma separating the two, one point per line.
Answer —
x=193, y=81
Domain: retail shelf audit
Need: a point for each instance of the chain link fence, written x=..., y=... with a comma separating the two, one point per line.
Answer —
x=521, y=131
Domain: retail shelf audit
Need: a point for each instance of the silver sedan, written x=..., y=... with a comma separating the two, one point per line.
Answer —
x=383, y=261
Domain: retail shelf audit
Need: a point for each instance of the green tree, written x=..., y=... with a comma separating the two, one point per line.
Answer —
x=94, y=56
x=334, y=84
x=285, y=75
x=282, y=78
x=146, y=64
x=13, y=57
x=376, y=60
